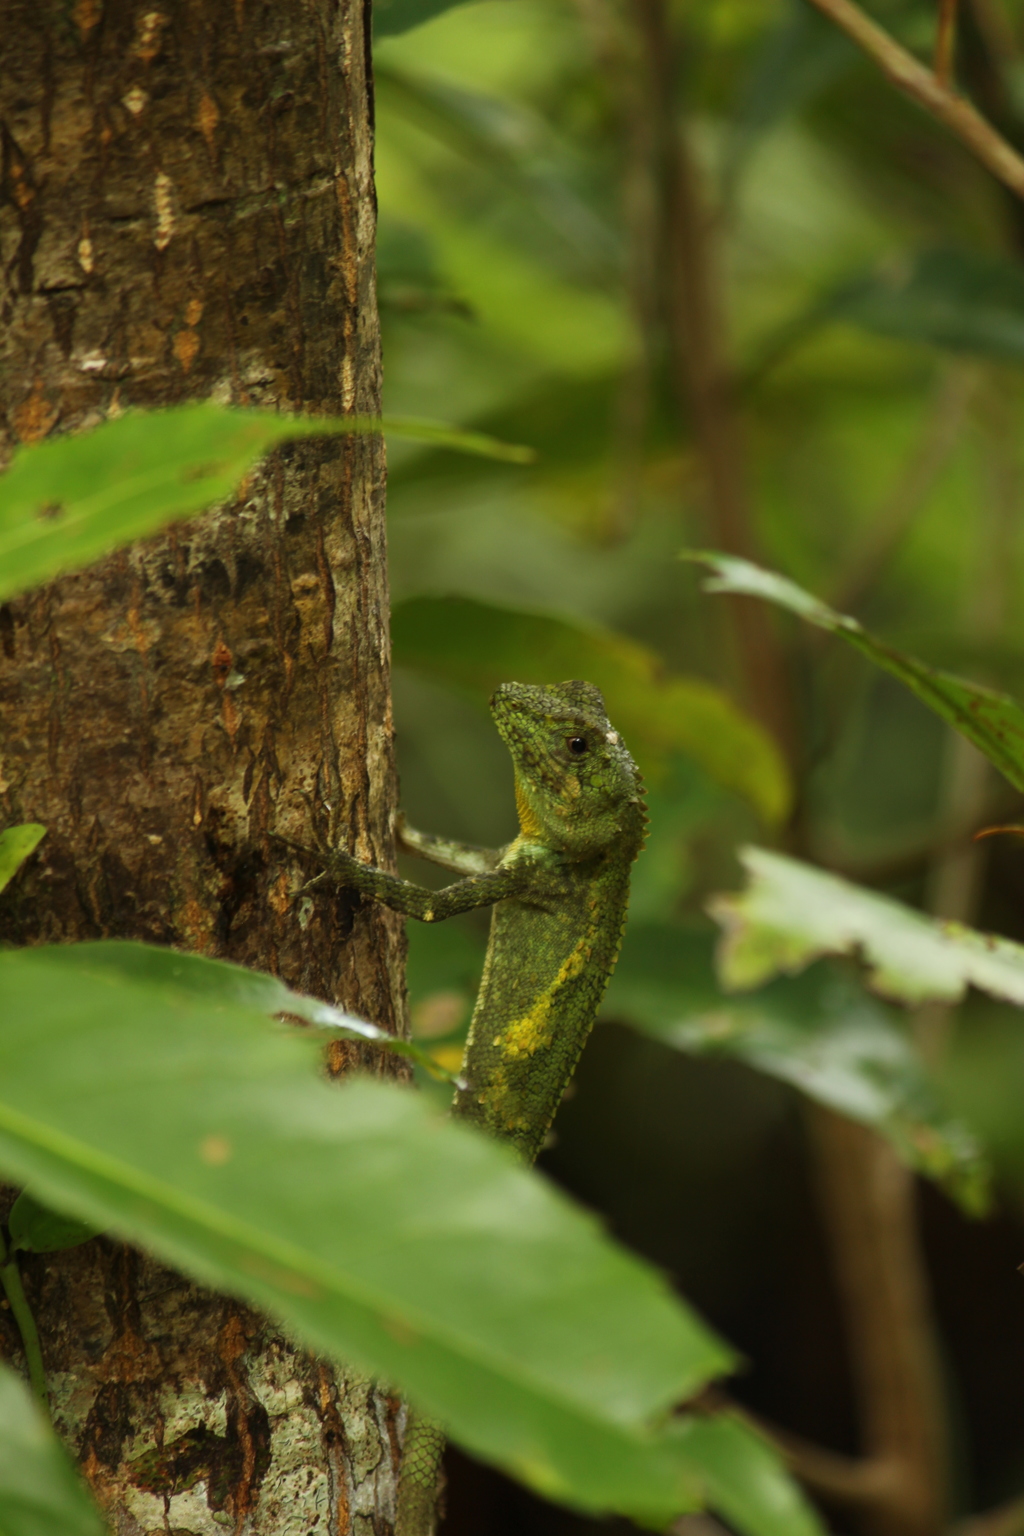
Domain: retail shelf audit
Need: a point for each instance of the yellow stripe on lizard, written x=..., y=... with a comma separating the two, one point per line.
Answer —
x=528, y=1034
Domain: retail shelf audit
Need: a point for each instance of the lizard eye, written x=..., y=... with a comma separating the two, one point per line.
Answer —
x=577, y=745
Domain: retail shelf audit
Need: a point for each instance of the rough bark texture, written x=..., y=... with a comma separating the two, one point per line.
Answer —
x=187, y=211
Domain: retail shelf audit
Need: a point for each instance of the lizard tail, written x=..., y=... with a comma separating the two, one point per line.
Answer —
x=420, y=1477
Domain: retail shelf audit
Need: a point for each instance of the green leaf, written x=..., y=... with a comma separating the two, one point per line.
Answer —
x=408, y=280
x=392, y=16
x=34, y=1228
x=502, y=141
x=960, y=300
x=70, y=499
x=16, y=843
x=993, y=721
x=218, y=980
x=439, y=434
x=479, y=645
x=966, y=301
x=820, y=1032
x=743, y=1478
x=376, y=1230
x=791, y=913
x=40, y=1495
x=982, y=1075
x=798, y=58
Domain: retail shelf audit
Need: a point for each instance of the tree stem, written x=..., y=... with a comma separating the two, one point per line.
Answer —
x=10, y=1279
x=868, y=1204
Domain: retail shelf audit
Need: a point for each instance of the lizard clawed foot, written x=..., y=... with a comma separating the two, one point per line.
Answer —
x=339, y=865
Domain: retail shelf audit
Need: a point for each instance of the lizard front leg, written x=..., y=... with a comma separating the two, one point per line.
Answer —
x=462, y=858
x=417, y=901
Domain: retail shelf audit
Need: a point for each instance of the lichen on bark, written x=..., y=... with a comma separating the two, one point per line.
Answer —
x=186, y=211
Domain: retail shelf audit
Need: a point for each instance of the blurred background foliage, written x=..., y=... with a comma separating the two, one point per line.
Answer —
x=859, y=278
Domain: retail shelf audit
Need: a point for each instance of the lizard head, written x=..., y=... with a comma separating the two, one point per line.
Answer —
x=577, y=788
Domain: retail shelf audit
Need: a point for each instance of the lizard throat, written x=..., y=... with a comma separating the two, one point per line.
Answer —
x=529, y=824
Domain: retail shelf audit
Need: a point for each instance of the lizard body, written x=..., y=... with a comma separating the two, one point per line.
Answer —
x=559, y=892
x=549, y=956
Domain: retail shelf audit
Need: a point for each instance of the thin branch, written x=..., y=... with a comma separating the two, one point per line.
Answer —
x=863, y=1482
x=918, y=82
x=853, y=1480
x=945, y=41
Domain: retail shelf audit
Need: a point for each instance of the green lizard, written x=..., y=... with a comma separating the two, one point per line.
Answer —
x=559, y=893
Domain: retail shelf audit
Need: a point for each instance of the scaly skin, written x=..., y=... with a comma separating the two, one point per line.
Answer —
x=560, y=892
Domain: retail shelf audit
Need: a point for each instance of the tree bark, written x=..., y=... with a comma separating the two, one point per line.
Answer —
x=187, y=212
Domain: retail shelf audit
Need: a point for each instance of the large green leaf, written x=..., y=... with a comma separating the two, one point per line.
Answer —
x=792, y=913
x=479, y=645
x=376, y=1230
x=70, y=499
x=993, y=721
x=16, y=843
x=820, y=1032
x=40, y=1495
x=216, y=981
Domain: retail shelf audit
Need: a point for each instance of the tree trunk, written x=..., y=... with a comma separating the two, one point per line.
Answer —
x=187, y=212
